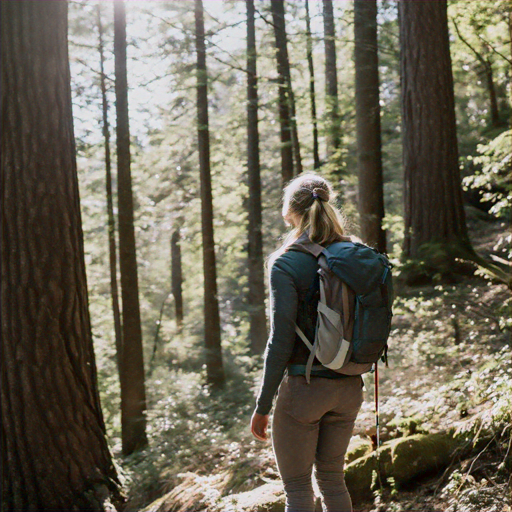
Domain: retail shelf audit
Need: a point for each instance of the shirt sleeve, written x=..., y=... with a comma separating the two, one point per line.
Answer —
x=283, y=315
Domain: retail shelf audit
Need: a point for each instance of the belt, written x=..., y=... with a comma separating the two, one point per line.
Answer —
x=316, y=371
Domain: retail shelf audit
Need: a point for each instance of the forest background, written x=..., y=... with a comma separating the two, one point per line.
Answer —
x=197, y=449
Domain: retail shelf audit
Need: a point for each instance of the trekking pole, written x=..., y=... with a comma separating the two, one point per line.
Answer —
x=377, y=427
x=377, y=404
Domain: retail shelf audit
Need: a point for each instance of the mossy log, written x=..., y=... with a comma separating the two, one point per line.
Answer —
x=401, y=459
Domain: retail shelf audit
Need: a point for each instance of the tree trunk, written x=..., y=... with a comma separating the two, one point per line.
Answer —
x=371, y=194
x=495, y=114
x=312, y=96
x=133, y=393
x=257, y=318
x=177, y=277
x=55, y=455
x=331, y=81
x=433, y=195
x=112, y=250
x=486, y=63
x=214, y=366
x=290, y=147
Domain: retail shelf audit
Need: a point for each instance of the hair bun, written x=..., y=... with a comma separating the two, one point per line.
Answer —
x=321, y=193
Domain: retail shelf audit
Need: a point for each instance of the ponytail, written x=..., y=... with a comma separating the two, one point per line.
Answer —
x=308, y=206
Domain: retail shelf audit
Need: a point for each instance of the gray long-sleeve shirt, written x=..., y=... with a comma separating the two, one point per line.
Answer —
x=292, y=277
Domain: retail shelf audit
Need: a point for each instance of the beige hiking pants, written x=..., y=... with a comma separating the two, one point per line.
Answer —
x=312, y=426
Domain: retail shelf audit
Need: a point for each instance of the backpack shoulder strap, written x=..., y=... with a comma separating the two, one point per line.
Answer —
x=304, y=244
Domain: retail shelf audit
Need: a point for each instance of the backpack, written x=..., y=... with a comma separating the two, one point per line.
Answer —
x=354, y=308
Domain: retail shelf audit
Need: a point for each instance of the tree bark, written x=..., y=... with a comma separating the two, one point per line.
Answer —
x=433, y=195
x=55, y=455
x=177, y=277
x=312, y=95
x=133, y=393
x=491, y=89
x=290, y=147
x=256, y=298
x=371, y=194
x=331, y=81
x=214, y=367
x=112, y=249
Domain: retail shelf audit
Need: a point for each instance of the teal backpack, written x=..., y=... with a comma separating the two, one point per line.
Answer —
x=354, y=308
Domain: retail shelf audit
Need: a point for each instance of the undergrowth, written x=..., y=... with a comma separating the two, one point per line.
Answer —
x=449, y=370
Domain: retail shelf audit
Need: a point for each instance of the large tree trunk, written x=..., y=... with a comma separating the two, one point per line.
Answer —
x=214, y=366
x=257, y=318
x=133, y=393
x=112, y=249
x=312, y=95
x=433, y=195
x=55, y=455
x=331, y=81
x=290, y=147
x=371, y=195
x=177, y=277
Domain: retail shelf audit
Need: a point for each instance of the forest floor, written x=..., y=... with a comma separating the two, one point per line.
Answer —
x=450, y=353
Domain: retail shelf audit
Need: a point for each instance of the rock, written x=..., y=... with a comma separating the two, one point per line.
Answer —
x=266, y=498
x=358, y=447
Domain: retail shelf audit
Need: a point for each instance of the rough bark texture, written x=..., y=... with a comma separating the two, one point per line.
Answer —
x=133, y=393
x=290, y=147
x=312, y=95
x=214, y=366
x=55, y=455
x=491, y=90
x=112, y=249
x=177, y=277
x=433, y=194
x=256, y=298
x=369, y=154
x=331, y=81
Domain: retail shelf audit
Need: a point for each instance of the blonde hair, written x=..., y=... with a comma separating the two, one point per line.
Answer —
x=308, y=205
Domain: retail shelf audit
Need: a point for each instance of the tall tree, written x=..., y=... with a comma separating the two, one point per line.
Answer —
x=112, y=249
x=331, y=81
x=258, y=322
x=486, y=66
x=214, y=366
x=54, y=450
x=133, y=393
x=433, y=195
x=312, y=95
x=371, y=195
x=291, y=162
x=177, y=277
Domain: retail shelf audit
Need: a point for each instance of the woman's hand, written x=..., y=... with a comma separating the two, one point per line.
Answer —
x=259, y=424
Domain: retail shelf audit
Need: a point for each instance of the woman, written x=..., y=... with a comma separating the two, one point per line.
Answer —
x=312, y=423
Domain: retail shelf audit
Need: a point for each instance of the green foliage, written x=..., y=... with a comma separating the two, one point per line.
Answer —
x=192, y=429
x=494, y=163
